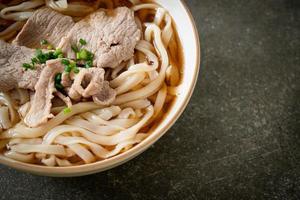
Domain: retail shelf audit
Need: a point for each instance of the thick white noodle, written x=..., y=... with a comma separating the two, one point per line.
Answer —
x=144, y=6
x=5, y=122
x=100, y=139
x=41, y=148
x=159, y=16
x=98, y=150
x=58, y=5
x=12, y=30
x=97, y=129
x=127, y=113
x=22, y=11
x=23, y=110
x=172, y=76
x=159, y=103
x=27, y=158
x=138, y=68
x=15, y=141
x=154, y=86
x=75, y=9
x=137, y=104
x=82, y=152
x=107, y=113
x=167, y=32
x=51, y=161
x=130, y=83
x=20, y=130
x=117, y=70
x=63, y=162
x=7, y=101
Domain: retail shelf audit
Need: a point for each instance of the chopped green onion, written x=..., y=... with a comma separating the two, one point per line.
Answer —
x=73, y=65
x=50, y=47
x=58, y=52
x=82, y=42
x=34, y=61
x=27, y=66
x=74, y=48
x=57, y=81
x=67, y=110
x=58, y=78
x=68, y=68
x=59, y=86
x=83, y=54
x=89, y=64
x=38, y=52
x=41, y=56
x=76, y=70
x=44, y=42
x=78, y=56
x=65, y=62
x=50, y=55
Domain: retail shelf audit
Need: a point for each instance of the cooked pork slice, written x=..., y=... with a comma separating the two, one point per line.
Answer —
x=44, y=24
x=105, y=96
x=90, y=83
x=110, y=35
x=12, y=74
x=66, y=80
x=41, y=104
x=73, y=94
x=91, y=78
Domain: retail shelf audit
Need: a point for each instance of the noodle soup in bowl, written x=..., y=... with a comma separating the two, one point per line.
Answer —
x=179, y=79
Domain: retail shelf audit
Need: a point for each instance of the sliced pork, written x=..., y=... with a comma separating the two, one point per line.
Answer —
x=111, y=36
x=90, y=83
x=12, y=74
x=45, y=24
x=39, y=112
x=105, y=96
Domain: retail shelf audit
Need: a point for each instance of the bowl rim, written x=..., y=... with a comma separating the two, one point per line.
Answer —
x=119, y=159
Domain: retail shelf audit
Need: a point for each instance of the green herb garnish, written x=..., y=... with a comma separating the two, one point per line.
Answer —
x=41, y=57
x=67, y=110
x=50, y=47
x=68, y=68
x=82, y=54
x=44, y=42
x=34, y=61
x=57, y=82
x=76, y=70
x=27, y=66
x=65, y=62
x=74, y=48
x=89, y=64
x=82, y=42
x=58, y=52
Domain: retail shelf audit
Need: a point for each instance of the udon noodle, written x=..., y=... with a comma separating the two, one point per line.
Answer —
x=91, y=132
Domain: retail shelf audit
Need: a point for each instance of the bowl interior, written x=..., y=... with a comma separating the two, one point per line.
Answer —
x=188, y=36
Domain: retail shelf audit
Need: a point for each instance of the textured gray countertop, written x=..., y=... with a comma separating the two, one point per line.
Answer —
x=239, y=136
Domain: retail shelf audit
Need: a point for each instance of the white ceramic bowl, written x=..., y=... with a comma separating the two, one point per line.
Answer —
x=191, y=48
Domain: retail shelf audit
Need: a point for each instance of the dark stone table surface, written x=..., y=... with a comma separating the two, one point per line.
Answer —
x=239, y=137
